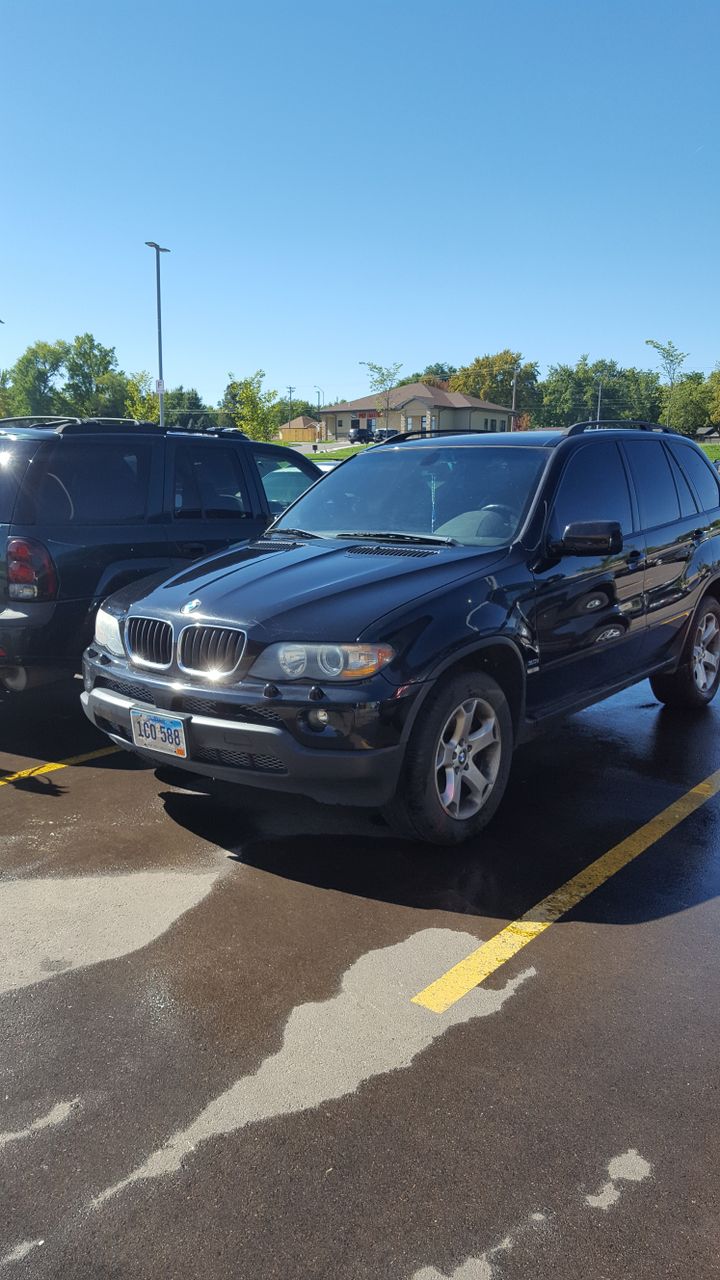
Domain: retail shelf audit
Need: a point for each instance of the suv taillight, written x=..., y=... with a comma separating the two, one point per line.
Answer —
x=31, y=574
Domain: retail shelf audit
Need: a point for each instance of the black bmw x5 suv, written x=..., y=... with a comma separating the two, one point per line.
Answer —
x=434, y=602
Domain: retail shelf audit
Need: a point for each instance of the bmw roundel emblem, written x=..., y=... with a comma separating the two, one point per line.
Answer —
x=191, y=606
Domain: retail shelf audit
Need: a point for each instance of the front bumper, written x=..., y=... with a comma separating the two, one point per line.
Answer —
x=250, y=744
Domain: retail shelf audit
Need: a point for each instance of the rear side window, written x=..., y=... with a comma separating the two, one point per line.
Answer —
x=654, y=482
x=209, y=484
x=593, y=487
x=283, y=478
x=76, y=482
x=14, y=457
x=701, y=474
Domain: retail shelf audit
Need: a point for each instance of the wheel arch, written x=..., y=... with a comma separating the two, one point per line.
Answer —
x=498, y=657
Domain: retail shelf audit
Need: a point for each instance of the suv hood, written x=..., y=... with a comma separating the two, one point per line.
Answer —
x=328, y=589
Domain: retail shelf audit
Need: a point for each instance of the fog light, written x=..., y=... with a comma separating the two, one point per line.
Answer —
x=318, y=718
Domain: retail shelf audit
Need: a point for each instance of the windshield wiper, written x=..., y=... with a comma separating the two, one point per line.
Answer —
x=384, y=536
x=296, y=533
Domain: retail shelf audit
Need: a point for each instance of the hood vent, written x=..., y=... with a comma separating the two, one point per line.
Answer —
x=275, y=546
x=415, y=552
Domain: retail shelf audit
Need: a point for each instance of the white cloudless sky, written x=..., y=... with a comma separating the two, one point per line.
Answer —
x=380, y=181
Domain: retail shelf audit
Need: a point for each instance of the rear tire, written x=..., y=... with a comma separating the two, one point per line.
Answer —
x=457, y=762
x=695, y=683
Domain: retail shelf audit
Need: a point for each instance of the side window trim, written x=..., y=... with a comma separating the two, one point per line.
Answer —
x=676, y=469
x=678, y=460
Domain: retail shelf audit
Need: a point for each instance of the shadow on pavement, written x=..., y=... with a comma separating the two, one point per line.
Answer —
x=573, y=795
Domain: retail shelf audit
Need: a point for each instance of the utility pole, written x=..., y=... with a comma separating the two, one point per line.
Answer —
x=514, y=397
x=599, y=402
x=151, y=244
x=290, y=396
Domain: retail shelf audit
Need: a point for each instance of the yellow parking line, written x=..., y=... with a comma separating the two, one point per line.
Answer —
x=454, y=984
x=59, y=764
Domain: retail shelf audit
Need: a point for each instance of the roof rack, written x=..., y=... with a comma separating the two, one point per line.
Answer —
x=637, y=424
x=72, y=426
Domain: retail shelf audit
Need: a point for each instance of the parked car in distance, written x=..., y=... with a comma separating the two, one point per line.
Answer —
x=90, y=505
x=361, y=435
x=431, y=604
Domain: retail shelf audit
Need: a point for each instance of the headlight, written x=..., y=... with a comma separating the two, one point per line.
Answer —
x=321, y=661
x=107, y=633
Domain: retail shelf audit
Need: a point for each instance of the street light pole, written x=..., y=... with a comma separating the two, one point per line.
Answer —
x=599, y=400
x=514, y=397
x=151, y=244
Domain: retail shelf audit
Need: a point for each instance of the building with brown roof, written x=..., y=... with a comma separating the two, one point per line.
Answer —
x=300, y=429
x=417, y=407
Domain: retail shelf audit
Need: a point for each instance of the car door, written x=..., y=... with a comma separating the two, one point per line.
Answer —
x=673, y=528
x=213, y=500
x=283, y=474
x=588, y=611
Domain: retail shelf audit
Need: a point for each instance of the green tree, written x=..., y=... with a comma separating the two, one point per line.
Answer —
x=571, y=393
x=249, y=406
x=714, y=384
x=671, y=362
x=93, y=383
x=692, y=399
x=184, y=407
x=490, y=377
x=435, y=375
x=300, y=408
x=382, y=378
x=5, y=393
x=141, y=401
x=34, y=380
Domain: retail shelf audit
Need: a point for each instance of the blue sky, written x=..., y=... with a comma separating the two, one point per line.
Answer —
x=343, y=182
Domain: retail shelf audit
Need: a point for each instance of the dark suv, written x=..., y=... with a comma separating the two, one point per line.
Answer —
x=88, y=506
x=431, y=604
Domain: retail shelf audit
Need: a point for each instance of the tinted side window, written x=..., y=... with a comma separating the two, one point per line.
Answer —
x=79, y=482
x=654, y=482
x=688, y=505
x=592, y=487
x=283, y=478
x=701, y=474
x=209, y=484
x=14, y=457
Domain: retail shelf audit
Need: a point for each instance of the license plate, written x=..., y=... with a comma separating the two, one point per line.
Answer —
x=158, y=733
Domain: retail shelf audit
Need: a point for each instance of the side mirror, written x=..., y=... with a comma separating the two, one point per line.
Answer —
x=599, y=538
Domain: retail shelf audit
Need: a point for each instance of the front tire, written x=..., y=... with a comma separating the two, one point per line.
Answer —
x=696, y=680
x=457, y=762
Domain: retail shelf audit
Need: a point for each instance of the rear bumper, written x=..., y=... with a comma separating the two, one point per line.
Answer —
x=44, y=636
x=257, y=755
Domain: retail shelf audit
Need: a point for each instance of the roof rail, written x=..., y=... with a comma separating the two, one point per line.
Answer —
x=435, y=431
x=72, y=426
x=637, y=424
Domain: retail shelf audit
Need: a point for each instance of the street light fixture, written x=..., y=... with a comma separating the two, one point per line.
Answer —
x=151, y=244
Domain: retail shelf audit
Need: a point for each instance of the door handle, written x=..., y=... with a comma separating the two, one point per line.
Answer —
x=192, y=548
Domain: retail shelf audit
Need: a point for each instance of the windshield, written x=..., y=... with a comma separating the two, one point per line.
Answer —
x=473, y=495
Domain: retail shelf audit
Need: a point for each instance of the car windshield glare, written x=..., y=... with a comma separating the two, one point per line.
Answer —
x=473, y=495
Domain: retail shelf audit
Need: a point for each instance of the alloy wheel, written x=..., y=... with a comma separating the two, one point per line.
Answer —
x=467, y=759
x=706, y=653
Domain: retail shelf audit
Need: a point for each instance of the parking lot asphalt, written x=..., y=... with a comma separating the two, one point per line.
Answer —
x=213, y=1061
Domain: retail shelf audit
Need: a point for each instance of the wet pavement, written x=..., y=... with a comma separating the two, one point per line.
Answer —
x=211, y=1063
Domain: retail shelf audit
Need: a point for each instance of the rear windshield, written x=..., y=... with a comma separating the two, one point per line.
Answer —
x=14, y=457
x=76, y=482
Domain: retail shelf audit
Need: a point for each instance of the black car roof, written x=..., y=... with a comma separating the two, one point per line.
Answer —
x=547, y=439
